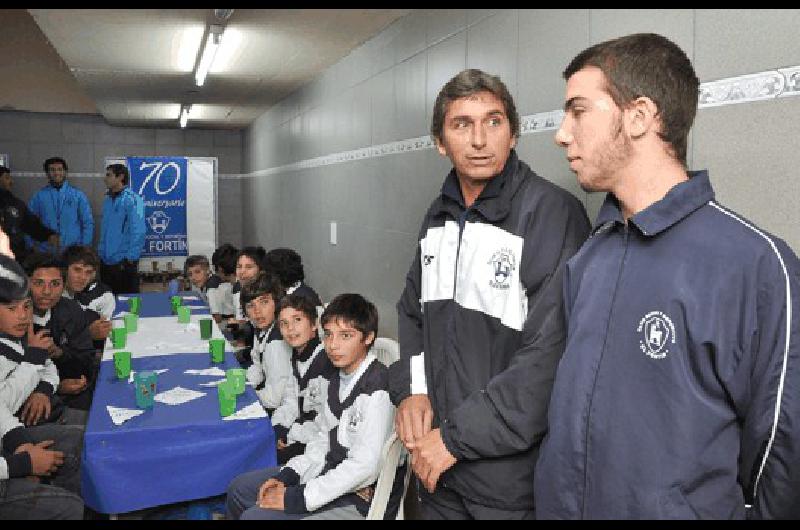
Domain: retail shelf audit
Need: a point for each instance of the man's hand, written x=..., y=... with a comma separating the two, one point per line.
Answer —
x=280, y=444
x=54, y=351
x=272, y=499
x=413, y=419
x=54, y=240
x=99, y=329
x=40, y=339
x=266, y=487
x=431, y=458
x=72, y=386
x=36, y=407
x=5, y=244
x=43, y=460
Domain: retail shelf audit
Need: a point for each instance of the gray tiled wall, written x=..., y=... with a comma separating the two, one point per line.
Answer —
x=384, y=91
x=84, y=142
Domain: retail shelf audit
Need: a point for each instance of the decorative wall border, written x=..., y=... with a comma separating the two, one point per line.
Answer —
x=753, y=87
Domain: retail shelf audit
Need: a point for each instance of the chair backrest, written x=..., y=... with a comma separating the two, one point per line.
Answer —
x=386, y=350
x=391, y=457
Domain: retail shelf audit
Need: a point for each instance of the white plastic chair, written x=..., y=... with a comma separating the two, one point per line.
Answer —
x=386, y=350
x=394, y=452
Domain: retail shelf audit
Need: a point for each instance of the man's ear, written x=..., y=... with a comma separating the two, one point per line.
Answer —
x=513, y=142
x=642, y=116
x=440, y=147
x=369, y=339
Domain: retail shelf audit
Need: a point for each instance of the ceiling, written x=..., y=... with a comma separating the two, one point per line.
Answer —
x=135, y=66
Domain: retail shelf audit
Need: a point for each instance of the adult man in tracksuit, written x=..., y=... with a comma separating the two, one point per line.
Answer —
x=62, y=208
x=477, y=341
x=121, y=232
x=677, y=395
x=17, y=220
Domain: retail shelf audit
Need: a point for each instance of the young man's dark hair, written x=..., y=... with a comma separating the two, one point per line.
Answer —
x=255, y=253
x=300, y=303
x=467, y=83
x=262, y=284
x=81, y=254
x=195, y=259
x=4, y=170
x=40, y=260
x=54, y=160
x=13, y=281
x=120, y=170
x=355, y=310
x=286, y=264
x=646, y=64
x=224, y=259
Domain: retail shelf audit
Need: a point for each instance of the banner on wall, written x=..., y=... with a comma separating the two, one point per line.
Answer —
x=162, y=184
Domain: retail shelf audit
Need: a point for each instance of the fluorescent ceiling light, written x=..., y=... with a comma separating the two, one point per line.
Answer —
x=227, y=49
x=209, y=51
x=184, y=117
x=189, y=41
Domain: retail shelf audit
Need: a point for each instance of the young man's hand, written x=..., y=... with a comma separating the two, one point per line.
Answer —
x=43, y=461
x=36, y=407
x=72, y=386
x=413, y=419
x=271, y=495
x=430, y=458
x=5, y=244
x=54, y=351
x=40, y=339
x=99, y=329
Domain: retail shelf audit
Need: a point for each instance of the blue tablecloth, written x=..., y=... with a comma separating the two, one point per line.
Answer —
x=158, y=304
x=171, y=453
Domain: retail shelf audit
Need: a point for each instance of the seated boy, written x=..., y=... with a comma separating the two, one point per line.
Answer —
x=239, y=330
x=27, y=460
x=208, y=285
x=293, y=420
x=335, y=477
x=224, y=262
x=70, y=342
x=95, y=297
x=271, y=371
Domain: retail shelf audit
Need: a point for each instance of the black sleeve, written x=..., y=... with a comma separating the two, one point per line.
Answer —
x=78, y=352
x=32, y=225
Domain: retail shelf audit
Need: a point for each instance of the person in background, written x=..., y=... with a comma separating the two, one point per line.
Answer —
x=122, y=232
x=197, y=270
x=61, y=208
x=224, y=262
x=287, y=265
x=249, y=262
x=17, y=220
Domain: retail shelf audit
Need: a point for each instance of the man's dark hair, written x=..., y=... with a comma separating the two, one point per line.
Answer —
x=195, y=259
x=647, y=64
x=4, y=170
x=257, y=254
x=355, y=310
x=466, y=83
x=120, y=170
x=54, y=160
x=286, y=264
x=13, y=281
x=224, y=258
x=81, y=254
x=262, y=284
x=40, y=260
x=300, y=303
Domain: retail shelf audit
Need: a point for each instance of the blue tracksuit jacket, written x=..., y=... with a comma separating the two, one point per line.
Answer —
x=65, y=210
x=122, y=230
x=678, y=394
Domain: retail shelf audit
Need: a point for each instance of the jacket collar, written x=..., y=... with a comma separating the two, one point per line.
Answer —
x=310, y=347
x=680, y=201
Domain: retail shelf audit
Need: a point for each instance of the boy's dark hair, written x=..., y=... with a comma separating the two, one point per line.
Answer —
x=13, y=281
x=257, y=254
x=41, y=260
x=355, y=310
x=4, y=170
x=286, y=264
x=647, y=64
x=262, y=284
x=195, y=259
x=81, y=254
x=120, y=170
x=224, y=258
x=54, y=160
x=300, y=303
x=466, y=83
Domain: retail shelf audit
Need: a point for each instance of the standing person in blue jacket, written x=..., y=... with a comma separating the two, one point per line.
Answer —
x=122, y=232
x=677, y=395
x=62, y=208
x=478, y=342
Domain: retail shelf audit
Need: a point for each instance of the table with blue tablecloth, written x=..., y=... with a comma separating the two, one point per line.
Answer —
x=170, y=453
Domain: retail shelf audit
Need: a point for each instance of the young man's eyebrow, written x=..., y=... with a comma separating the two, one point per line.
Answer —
x=572, y=101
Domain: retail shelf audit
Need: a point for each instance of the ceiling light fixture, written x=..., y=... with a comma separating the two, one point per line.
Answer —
x=209, y=51
x=185, y=116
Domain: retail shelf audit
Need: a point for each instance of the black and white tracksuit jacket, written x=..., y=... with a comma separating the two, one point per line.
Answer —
x=345, y=454
x=305, y=397
x=476, y=326
x=219, y=296
x=271, y=371
x=97, y=302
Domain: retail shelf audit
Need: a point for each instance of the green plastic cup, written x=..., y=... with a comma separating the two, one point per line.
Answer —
x=118, y=337
x=134, y=304
x=216, y=347
x=131, y=322
x=227, y=398
x=236, y=378
x=176, y=301
x=206, y=328
x=145, y=388
x=122, y=364
x=184, y=314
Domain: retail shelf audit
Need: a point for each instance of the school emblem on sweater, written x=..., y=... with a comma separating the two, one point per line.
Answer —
x=355, y=421
x=503, y=264
x=656, y=331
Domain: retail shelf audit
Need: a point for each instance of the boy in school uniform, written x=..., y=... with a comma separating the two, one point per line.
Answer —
x=335, y=477
x=223, y=260
x=208, y=285
x=293, y=420
x=271, y=370
x=239, y=330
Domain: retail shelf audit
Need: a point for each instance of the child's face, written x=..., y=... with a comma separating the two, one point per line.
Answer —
x=246, y=269
x=46, y=287
x=261, y=311
x=79, y=275
x=345, y=345
x=16, y=317
x=296, y=328
x=198, y=275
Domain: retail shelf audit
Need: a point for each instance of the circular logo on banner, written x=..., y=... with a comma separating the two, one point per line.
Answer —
x=159, y=221
x=656, y=331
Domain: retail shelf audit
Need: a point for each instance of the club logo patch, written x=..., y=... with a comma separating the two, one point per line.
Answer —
x=427, y=259
x=656, y=332
x=503, y=265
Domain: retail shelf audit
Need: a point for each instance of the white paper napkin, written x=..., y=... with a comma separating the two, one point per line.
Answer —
x=130, y=378
x=191, y=298
x=213, y=383
x=120, y=415
x=207, y=371
x=123, y=298
x=253, y=410
x=178, y=395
